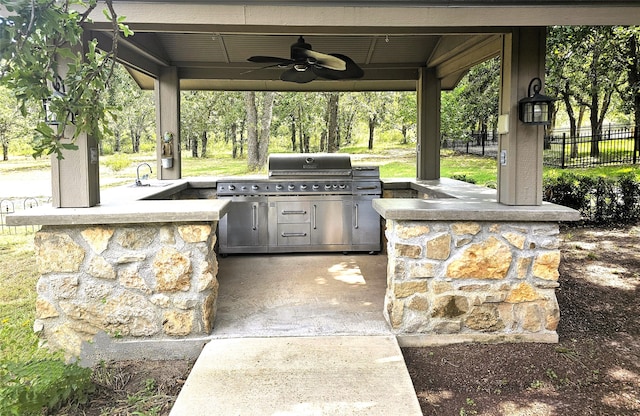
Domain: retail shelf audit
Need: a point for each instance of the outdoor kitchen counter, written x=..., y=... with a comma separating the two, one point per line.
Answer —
x=451, y=200
x=132, y=205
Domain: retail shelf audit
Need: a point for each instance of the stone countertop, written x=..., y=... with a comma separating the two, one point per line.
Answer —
x=132, y=205
x=451, y=200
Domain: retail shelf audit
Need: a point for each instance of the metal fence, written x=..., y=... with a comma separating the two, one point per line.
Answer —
x=9, y=206
x=617, y=145
x=481, y=144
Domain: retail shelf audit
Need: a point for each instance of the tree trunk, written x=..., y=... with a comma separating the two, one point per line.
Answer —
x=265, y=127
x=301, y=133
x=293, y=133
x=205, y=141
x=252, y=130
x=135, y=142
x=332, y=127
x=305, y=139
x=405, y=140
x=372, y=127
x=234, y=140
x=573, y=129
x=116, y=145
x=5, y=151
x=194, y=146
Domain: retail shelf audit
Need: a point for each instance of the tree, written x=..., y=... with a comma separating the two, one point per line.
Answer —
x=133, y=110
x=404, y=113
x=258, y=129
x=12, y=124
x=479, y=96
x=587, y=68
x=231, y=118
x=333, y=137
x=374, y=106
x=35, y=38
x=631, y=94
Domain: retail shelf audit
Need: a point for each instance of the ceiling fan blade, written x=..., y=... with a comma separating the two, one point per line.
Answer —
x=301, y=77
x=318, y=58
x=270, y=60
x=351, y=71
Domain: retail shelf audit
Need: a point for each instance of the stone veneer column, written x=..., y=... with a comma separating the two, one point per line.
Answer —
x=155, y=281
x=473, y=281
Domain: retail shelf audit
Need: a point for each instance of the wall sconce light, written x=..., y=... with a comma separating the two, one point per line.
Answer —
x=59, y=91
x=536, y=108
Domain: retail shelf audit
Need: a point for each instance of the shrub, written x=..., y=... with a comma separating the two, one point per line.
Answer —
x=463, y=177
x=600, y=201
x=117, y=162
x=31, y=387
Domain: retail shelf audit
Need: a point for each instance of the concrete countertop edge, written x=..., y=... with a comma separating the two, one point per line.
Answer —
x=457, y=210
x=452, y=200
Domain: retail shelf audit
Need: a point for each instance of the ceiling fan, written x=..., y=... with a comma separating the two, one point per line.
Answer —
x=305, y=64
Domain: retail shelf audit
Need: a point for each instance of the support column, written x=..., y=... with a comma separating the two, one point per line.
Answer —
x=521, y=146
x=75, y=180
x=167, y=88
x=428, y=147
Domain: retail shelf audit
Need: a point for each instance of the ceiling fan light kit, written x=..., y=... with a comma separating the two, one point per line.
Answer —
x=305, y=64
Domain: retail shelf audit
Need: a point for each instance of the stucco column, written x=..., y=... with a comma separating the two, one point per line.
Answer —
x=521, y=146
x=167, y=88
x=428, y=147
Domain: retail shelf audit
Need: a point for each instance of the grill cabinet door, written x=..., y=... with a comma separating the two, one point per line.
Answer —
x=327, y=221
x=365, y=224
x=245, y=225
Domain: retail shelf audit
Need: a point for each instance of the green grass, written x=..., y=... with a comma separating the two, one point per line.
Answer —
x=18, y=278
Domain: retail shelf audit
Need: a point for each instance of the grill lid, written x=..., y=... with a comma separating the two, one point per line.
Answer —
x=309, y=165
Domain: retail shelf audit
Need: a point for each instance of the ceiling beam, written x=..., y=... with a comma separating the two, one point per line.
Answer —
x=474, y=55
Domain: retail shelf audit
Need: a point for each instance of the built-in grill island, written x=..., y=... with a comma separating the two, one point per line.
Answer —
x=308, y=203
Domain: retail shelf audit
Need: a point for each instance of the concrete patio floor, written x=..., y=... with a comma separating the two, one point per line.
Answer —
x=300, y=334
x=301, y=295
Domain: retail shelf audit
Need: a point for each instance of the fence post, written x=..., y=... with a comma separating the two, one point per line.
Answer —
x=636, y=139
x=563, y=152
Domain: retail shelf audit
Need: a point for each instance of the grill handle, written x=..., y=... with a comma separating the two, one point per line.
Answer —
x=293, y=234
x=301, y=212
x=366, y=188
x=254, y=215
x=313, y=218
x=356, y=225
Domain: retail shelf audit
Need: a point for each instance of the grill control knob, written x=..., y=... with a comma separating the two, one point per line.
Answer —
x=279, y=187
x=232, y=187
x=327, y=186
x=244, y=188
x=335, y=186
x=291, y=187
x=255, y=187
x=303, y=187
x=342, y=186
x=315, y=187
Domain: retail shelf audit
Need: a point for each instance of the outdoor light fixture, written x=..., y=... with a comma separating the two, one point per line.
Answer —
x=536, y=108
x=58, y=91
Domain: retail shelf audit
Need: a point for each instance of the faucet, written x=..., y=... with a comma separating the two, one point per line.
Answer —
x=138, y=182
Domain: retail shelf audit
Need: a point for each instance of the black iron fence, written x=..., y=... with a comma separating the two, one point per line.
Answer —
x=481, y=144
x=9, y=206
x=617, y=145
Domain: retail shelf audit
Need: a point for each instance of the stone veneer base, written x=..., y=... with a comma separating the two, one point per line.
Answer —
x=131, y=282
x=472, y=281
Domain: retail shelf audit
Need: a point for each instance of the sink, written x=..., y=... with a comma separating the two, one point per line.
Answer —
x=158, y=184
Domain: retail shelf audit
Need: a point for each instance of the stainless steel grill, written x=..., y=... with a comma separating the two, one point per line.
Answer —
x=308, y=202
